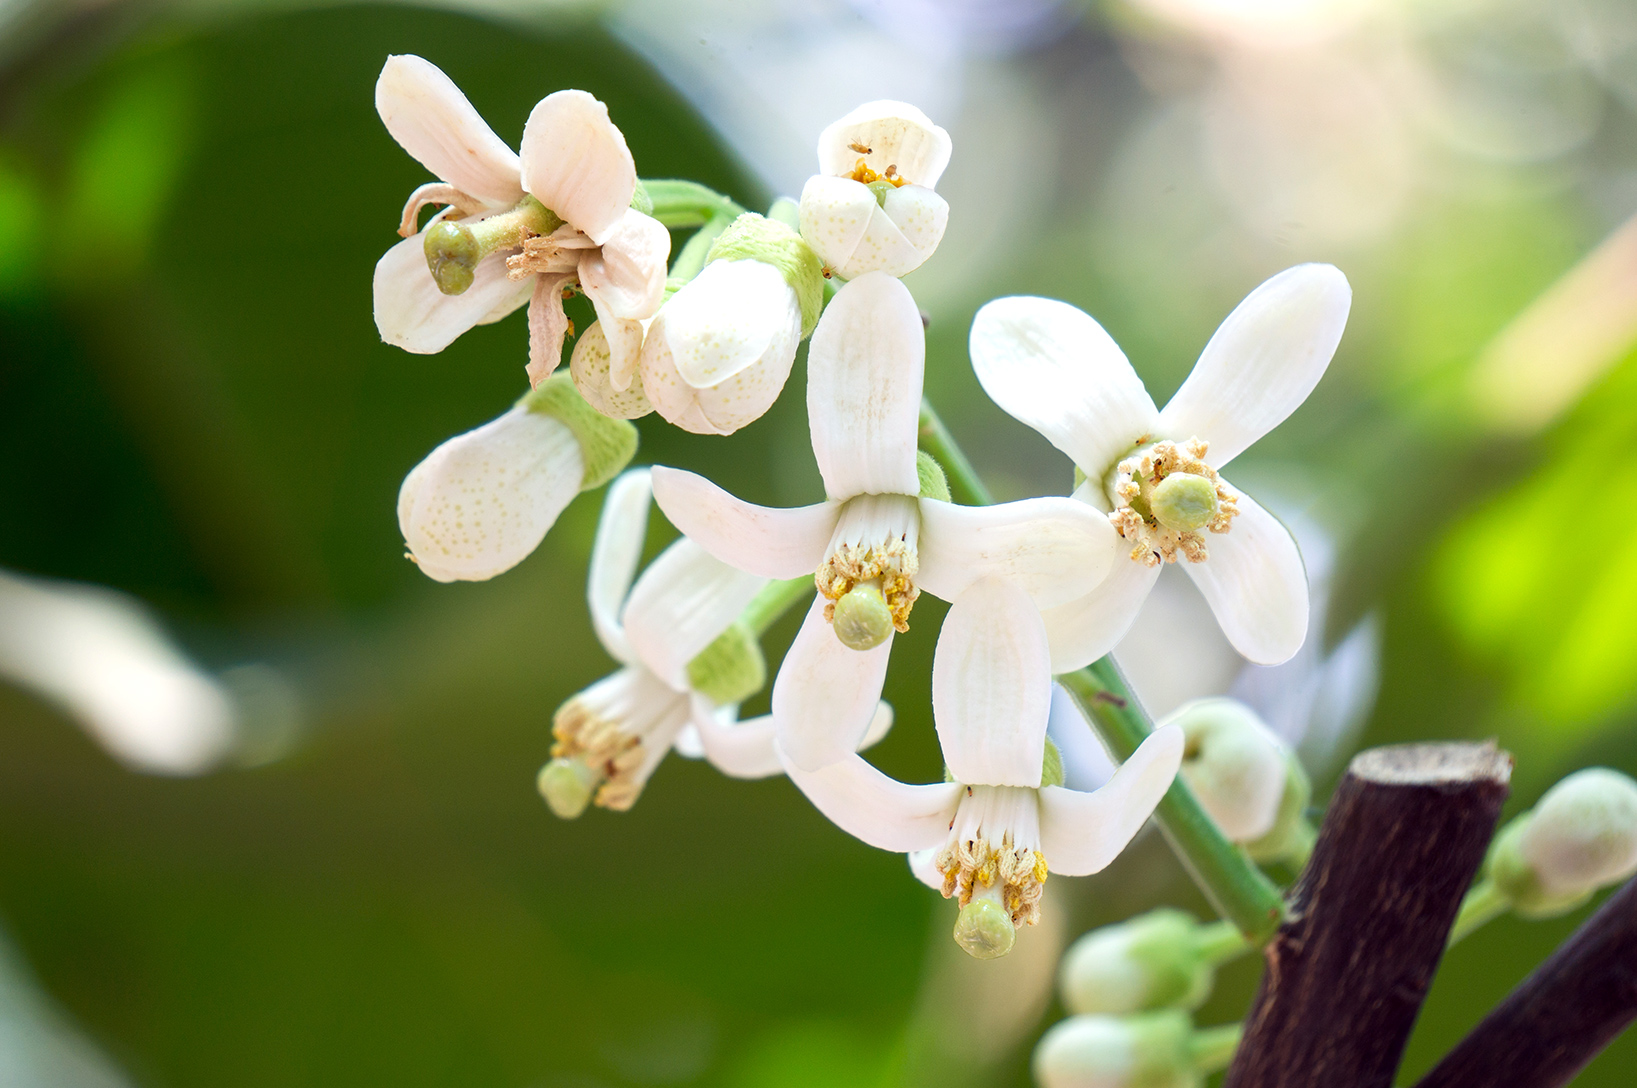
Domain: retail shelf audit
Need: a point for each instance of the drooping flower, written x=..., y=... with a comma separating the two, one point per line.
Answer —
x=876, y=541
x=687, y=662
x=718, y=354
x=871, y=207
x=482, y=501
x=1157, y=474
x=999, y=826
x=513, y=229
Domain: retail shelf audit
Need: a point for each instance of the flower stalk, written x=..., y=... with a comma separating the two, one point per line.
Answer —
x=965, y=486
x=688, y=203
x=775, y=599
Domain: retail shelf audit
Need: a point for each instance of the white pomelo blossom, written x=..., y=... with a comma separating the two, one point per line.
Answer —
x=686, y=664
x=871, y=207
x=514, y=229
x=482, y=501
x=999, y=826
x=1157, y=474
x=875, y=542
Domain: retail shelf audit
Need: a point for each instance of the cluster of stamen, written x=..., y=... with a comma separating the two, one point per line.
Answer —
x=861, y=172
x=547, y=254
x=973, y=864
x=892, y=564
x=607, y=750
x=1155, y=537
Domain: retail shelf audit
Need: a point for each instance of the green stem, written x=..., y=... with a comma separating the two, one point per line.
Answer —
x=1483, y=904
x=964, y=484
x=691, y=261
x=688, y=203
x=1219, y=943
x=773, y=601
x=1212, y=1048
x=1227, y=876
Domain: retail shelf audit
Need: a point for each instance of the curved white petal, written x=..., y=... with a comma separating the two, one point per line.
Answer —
x=575, y=162
x=1080, y=833
x=894, y=134
x=682, y=602
x=1054, y=549
x=923, y=865
x=920, y=214
x=883, y=248
x=773, y=542
x=834, y=214
x=548, y=325
x=725, y=320
x=1256, y=585
x=413, y=314
x=854, y=234
x=825, y=696
x=621, y=530
x=992, y=687
x=864, y=370
x=430, y=118
x=1262, y=362
x=745, y=749
x=1053, y=367
x=482, y=501
x=875, y=809
x=1085, y=629
x=626, y=275
x=592, y=365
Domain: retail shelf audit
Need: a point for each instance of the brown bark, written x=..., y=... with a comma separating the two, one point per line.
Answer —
x=1348, y=970
x=1561, y=1016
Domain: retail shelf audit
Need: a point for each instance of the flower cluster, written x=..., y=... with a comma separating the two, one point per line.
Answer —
x=1036, y=587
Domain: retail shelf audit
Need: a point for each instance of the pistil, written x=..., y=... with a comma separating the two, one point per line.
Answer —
x=1164, y=495
x=993, y=865
x=869, y=574
x=455, y=246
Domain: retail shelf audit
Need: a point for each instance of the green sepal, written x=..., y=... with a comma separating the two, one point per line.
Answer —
x=731, y=669
x=640, y=200
x=1290, y=832
x=1051, y=766
x=753, y=237
x=606, y=445
x=934, y=483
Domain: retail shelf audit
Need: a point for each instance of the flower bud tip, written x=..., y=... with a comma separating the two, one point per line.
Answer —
x=984, y=930
x=566, y=784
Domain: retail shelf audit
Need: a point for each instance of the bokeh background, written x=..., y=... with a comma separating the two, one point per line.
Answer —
x=354, y=882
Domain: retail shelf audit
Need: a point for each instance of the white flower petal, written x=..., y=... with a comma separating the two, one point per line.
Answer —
x=835, y=213
x=875, y=809
x=737, y=749
x=592, y=366
x=923, y=864
x=430, y=118
x=920, y=215
x=575, y=162
x=1051, y=366
x=1054, y=549
x=621, y=530
x=1262, y=362
x=413, y=314
x=992, y=687
x=1256, y=585
x=726, y=319
x=1085, y=629
x=774, y=542
x=626, y=275
x=1080, y=833
x=825, y=696
x=895, y=134
x=482, y=501
x=548, y=325
x=864, y=370
x=682, y=602
x=882, y=249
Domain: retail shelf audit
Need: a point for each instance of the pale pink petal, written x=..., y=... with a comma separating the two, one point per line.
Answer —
x=413, y=314
x=433, y=121
x=825, y=695
x=1051, y=366
x=1256, y=585
x=1054, y=549
x=893, y=134
x=1080, y=833
x=864, y=389
x=875, y=809
x=575, y=162
x=1263, y=362
x=621, y=530
x=992, y=687
x=683, y=601
x=626, y=275
x=548, y=325
x=1088, y=627
x=773, y=542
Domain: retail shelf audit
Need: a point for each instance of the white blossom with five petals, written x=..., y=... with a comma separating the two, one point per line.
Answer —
x=1155, y=473
x=875, y=532
x=574, y=162
x=992, y=833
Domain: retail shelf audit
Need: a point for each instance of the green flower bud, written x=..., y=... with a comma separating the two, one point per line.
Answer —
x=1234, y=764
x=1152, y=961
x=1146, y=1051
x=606, y=445
x=756, y=238
x=984, y=930
x=862, y=619
x=731, y=669
x=1582, y=836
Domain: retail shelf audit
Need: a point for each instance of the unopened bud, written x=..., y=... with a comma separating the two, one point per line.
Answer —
x=567, y=786
x=1291, y=837
x=1160, y=960
x=1582, y=836
x=1234, y=764
x=984, y=929
x=862, y=619
x=1146, y=1051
